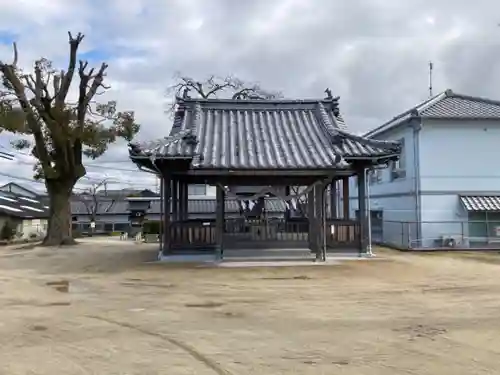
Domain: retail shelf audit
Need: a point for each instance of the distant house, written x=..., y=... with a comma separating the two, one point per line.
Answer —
x=15, y=188
x=27, y=214
x=194, y=189
x=114, y=215
x=445, y=189
x=112, y=212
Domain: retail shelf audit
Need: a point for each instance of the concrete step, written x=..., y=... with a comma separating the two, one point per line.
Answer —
x=267, y=254
x=267, y=259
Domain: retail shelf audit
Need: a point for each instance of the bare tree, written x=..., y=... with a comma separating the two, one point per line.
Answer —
x=214, y=87
x=301, y=200
x=91, y=199
x=60, y=132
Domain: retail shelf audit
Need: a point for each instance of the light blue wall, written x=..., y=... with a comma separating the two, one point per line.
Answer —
x=396, y=198
x=403, y=185
x=460, y=156
x=442, y=216
x=456, y=158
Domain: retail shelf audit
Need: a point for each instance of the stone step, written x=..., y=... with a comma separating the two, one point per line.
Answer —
x=268, y=254
x=268, y=259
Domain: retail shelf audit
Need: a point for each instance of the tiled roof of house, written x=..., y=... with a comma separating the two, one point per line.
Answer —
x=261, y=134
x=208, y=206
x=481, y=203
x=17, y=188
x=117, y=193
x=195, y=206
x=104, y=207
x=446, y=105
x=20, y=206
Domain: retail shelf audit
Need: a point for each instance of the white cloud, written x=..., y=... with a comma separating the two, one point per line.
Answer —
x=373, y=53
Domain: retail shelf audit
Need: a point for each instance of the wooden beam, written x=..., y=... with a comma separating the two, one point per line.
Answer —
x=363, y=220
x=287, y=209
x=271, y=172
x=167, y=187
x=182, y=206
x=185, y=198
x=345, y=199
x=319, y=199
x=333, y=199
x=311, y=220
x=175, y=199
x=219, y=220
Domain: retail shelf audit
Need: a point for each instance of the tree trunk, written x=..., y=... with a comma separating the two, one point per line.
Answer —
x=59, y=231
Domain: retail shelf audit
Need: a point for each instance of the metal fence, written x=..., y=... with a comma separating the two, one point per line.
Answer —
x=425, y=235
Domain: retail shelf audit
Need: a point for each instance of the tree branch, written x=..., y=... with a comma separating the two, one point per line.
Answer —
x=66, y=78
x=212, y=86
x=9, y=72
x=16, y=55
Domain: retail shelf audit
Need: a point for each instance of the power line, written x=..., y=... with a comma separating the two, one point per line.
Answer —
x=111, y=180
x=87, y=165
x=31, y=180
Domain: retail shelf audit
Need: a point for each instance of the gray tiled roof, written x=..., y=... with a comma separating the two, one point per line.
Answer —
x=20, y=206
x=208, y=206
x=481, y=202
x=119, y=206
x=446, y=105
x=250, y=134
x=195, y=206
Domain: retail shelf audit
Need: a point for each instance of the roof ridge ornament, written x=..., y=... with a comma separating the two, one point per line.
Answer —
x=329, y=95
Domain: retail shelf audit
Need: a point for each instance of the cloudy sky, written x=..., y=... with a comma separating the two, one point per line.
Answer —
x=373, y=53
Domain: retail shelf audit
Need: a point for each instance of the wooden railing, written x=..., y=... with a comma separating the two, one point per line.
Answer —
x=193, y=234
x=265, y=230
x=202, y=233
x=341, y=233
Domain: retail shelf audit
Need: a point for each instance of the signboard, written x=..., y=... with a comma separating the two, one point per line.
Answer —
x=92, y=224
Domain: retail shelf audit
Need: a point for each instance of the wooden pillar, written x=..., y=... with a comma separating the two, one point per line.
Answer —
x=333, y=199
x=219, y=221
x=167, y=192
x=287, y=204
x=363, y=222
x=319, y=199
x=175, y=200
x=311, y=219
x=186, y=201
x=182, y=206
x=345, y=193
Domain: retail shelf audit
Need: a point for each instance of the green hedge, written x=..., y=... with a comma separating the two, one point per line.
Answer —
x=151, y=227
x=8, y=231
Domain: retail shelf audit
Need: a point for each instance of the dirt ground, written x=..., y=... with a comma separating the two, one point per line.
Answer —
x=99, y=308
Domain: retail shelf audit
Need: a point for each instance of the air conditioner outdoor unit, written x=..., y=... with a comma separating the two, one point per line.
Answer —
x=497, y=231
x=449, y=241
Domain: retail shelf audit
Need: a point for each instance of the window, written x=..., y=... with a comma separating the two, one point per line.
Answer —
x=375, y=176
x=197, y=189
x=121, y=227
x=398, y=167
x=483, y=226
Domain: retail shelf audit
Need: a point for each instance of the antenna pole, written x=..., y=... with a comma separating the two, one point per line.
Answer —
x=431, y=66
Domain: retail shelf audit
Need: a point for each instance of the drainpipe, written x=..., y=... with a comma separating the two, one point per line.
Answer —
x=417, y=126
x=368, y=208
